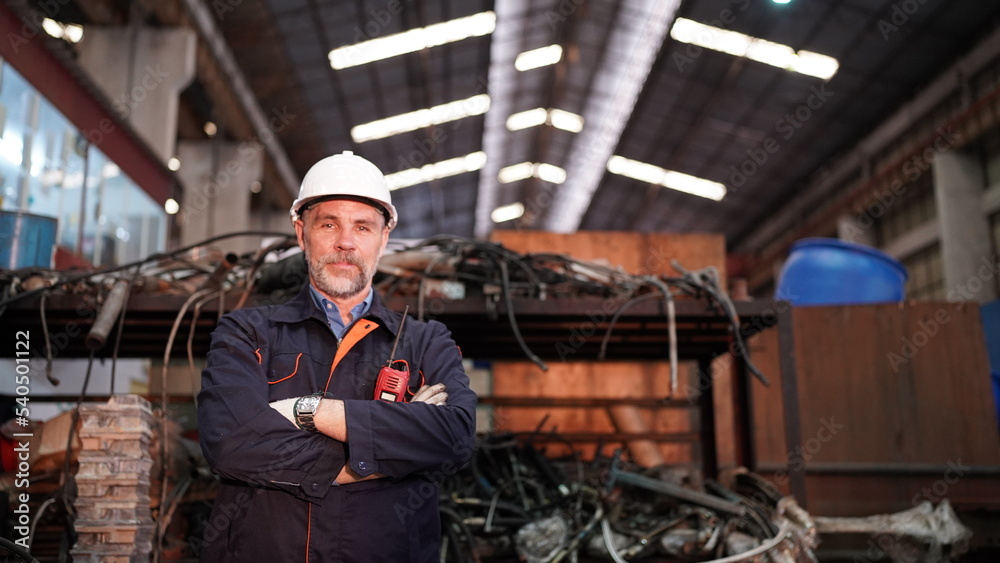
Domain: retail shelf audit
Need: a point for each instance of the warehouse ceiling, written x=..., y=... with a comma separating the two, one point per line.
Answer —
x=645, y=91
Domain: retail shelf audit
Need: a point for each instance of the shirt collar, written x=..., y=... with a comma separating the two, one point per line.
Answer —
x=303, y=306
x=332, y=312
x=326, y=305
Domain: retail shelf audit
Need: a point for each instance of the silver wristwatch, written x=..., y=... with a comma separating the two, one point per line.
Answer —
x=305, y=411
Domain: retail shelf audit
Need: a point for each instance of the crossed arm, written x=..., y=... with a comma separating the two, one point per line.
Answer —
x=243, y=440
x=331, y=420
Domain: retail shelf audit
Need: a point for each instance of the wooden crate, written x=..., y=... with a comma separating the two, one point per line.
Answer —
x=634, y=253
x=891, y=396
x=592, y=380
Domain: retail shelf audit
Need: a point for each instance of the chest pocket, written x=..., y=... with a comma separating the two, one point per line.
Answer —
x=296, y=360
x=294, y=369
x=284, y=367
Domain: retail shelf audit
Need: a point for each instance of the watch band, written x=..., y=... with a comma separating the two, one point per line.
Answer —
x=305, y=411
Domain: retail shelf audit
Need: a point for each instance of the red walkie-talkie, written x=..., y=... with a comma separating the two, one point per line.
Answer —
x=392, y=383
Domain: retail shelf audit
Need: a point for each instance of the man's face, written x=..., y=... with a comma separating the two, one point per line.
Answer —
x=342, y=241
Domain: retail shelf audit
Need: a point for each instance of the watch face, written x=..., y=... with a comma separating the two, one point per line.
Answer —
x=304, y=410
x=309, y=404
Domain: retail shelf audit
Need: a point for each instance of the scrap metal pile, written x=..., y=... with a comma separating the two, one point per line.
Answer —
x=454, y=267
x=449, y=266
x=444, y=267
x=513, y=501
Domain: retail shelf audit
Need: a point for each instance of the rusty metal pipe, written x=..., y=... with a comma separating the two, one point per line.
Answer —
x=106, y=317
x=628, y=418
x=678, y=492
x=214, y=281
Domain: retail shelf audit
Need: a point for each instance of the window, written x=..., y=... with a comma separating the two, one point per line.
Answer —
x=914, y=207
x=47, y=168
x=926, y=282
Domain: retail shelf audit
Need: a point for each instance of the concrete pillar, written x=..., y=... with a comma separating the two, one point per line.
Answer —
x=142, y=70
x=217, y=178
x=850, y=229
x=966, y=250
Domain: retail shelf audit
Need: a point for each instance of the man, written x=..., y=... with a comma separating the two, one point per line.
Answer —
x=318, y=462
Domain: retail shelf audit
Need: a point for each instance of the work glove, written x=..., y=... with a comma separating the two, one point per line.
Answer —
x=431, y=394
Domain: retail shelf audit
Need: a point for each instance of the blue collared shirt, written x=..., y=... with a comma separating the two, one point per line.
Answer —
x=333, y=313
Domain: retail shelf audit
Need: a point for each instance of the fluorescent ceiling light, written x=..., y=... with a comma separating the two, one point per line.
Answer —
x=536, y=58
x=413, y=40
x=760, y=50
x=815, y=64
x=452, y=111
x=436, y=171
x=694, y=185
x=774, y=54
x=521, y=171
x=525, y=119
x=550, y=173
x=560, y=119
x=525, y=170
x=507, y=212
x=652, y=174
x=565, y=120
x=636, y=170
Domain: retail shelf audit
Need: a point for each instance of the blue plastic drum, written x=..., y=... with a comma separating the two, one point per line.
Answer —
x=824, y=271
x=26, y=240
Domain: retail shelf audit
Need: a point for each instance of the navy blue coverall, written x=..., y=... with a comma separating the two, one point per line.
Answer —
x=277, y=501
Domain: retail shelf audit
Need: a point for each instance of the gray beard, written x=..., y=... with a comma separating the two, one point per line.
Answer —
x=339, y=287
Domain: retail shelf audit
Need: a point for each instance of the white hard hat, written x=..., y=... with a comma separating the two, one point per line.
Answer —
x=349, y=175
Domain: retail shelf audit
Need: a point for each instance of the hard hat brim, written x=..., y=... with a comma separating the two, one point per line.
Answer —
x=378, y=205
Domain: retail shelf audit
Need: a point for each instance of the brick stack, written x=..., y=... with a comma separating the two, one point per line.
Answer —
x=114, y=523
